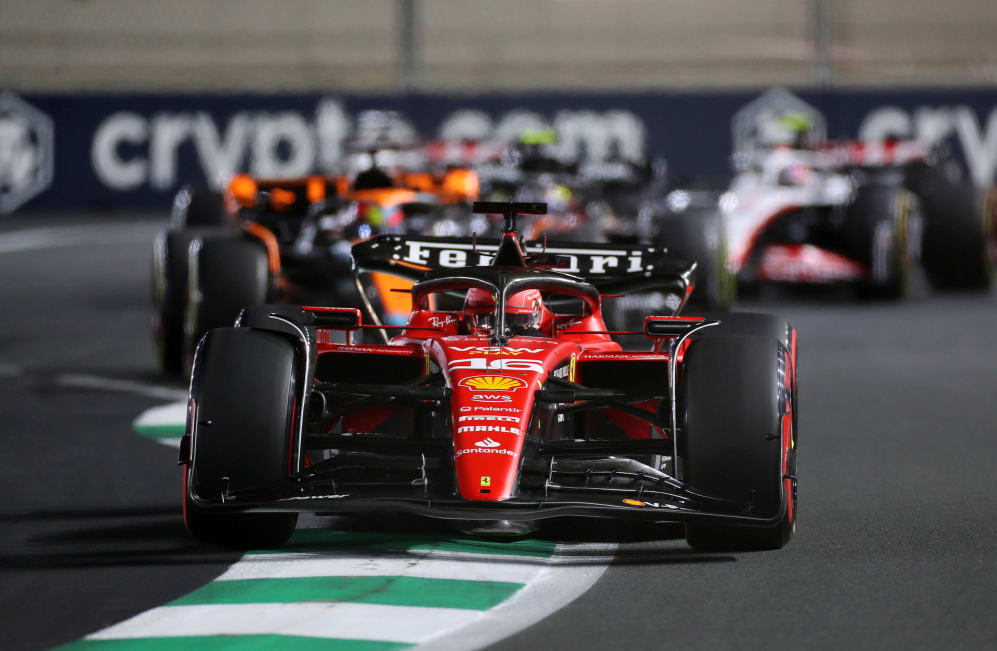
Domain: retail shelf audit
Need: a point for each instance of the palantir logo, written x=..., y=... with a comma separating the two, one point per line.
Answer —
x=26, y=152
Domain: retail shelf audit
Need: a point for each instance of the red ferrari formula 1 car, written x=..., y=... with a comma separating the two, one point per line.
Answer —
x=516, y=407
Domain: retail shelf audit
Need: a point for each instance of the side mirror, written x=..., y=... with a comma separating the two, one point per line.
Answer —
x=335, y=318
x=670, y=326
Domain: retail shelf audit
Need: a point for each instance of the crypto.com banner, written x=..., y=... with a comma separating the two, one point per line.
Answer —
x=97, y=151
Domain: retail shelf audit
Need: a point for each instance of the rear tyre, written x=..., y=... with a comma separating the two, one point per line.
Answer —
x=193, y=208
x=169, y=297
x=699, y=236
x=760, y=324
x=877, y=231
x=244, y=392
x=225, y=275
x=959, y=232
x=736, y=418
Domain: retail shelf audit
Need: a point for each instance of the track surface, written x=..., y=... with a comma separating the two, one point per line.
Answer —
x=898, y=450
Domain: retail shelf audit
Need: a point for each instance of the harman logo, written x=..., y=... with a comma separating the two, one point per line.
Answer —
x=27, y=152
x=492, y=383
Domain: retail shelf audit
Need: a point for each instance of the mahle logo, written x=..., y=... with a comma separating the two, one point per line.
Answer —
x=26, y=152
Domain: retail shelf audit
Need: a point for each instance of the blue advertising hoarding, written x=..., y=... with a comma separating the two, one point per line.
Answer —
x=123, y=151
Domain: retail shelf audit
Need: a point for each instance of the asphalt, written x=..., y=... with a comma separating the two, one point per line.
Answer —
x=898, y=450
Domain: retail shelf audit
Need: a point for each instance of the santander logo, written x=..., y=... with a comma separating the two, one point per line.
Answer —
x=488, y=443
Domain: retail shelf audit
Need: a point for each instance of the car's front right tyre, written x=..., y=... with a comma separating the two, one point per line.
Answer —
x=242, y=430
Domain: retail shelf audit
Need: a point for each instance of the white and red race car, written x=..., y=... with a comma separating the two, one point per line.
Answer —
x=855, y=212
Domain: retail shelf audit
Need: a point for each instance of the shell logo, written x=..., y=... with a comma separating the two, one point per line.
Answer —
x=492, y=383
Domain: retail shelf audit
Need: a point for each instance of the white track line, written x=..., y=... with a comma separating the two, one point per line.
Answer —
x=34, y=239
x=296, y=566
x=174, y=413
x=549, y=584
x=556, y=586
x=83, y=381
x=326, y=620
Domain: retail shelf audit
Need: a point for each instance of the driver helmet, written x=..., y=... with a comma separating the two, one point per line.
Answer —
x=524, y=311
x=373, y=178
x=787, y=129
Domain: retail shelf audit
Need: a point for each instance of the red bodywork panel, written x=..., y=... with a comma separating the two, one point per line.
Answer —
x=807, y=263
x=488, y=443
x=492, y=388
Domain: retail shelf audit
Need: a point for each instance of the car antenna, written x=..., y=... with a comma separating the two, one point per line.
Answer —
x=509, y=210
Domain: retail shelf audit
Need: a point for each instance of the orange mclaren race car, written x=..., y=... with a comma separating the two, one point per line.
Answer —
x=288, y=240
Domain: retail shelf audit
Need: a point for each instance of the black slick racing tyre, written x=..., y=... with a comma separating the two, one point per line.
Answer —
x=169, y=297
x=760, y=324
x=698, y=235
x=877, y=233
x=959, y=232
x=198, y=207
x=226, y=274
x=738, y=438
x=244, y=391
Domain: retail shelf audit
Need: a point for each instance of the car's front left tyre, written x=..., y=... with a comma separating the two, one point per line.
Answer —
x=739, y=438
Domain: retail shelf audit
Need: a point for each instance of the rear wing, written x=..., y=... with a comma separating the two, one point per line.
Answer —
x=612, y=268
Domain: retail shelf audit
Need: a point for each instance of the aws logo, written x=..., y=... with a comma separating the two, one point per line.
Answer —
x=491, y=397
x=492, y=383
